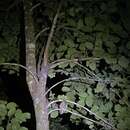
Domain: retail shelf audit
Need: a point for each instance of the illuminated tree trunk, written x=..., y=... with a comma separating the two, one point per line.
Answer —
x=35, y=88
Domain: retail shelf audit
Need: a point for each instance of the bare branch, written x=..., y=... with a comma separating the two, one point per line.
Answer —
x=91, y=81
x=78, y=105
x=75, y=61
x=35, y=6
x=35, y=76
x=79, y=115
x=45, y=61
x=69, y=79
x=38, y=35
x=61, y=61
x=42, y=50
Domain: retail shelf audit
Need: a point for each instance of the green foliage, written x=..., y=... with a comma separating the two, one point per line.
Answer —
x=123, y=62
x=90, y=31
x=9, y=36
x=54, y=114
x=84, y=30
x=11, y=117
x=55, y=124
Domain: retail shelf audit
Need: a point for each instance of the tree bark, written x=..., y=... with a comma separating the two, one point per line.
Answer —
x=35, y=88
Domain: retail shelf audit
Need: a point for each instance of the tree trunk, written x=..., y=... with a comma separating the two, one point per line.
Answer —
x=40, y=102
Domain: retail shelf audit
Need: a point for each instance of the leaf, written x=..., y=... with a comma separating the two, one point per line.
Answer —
x=11, y=111
x=99, y=88
x=23, y=128
x=3, y=102
x=82, y=47
x=62, y=48
x=91, y=64
x=70, y=96
x=123, y=62
x=71, y=22
x=51, y=73
x=11, y=105
x=88, y=122
x=117, y=28
x=89, y=100
x=62, y=97
x=80, y=87
x=98, y=52
x=102, y=115
x=72, y=64
x=15, y=126
x=88, y=29
x=103, y=6
x=99, y=27
x=83, y=94
x=118, y=107
x=67, y=83
x=21, y=117
x=112, y=7
x=27, y=115
x=91, y=126
x=90, y=21
x=99, y=41
x=3, y=110
x=94, y=108
x=112, y=48
x=116, y=67
x=71, y=12
x=63, y=65
x=59, y=55
x=128, y=45
x=113, y=39
x=110, y=60
x=73, y=117
x=80, y=24
x=81, y=102
x=106, y=108
x=89, y=45
x=54, y=114
x=1, y=128
x=69, y=42
x=2, y=59
x=65, y=89
x=72, y=52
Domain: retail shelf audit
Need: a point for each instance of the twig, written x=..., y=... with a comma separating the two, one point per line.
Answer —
x=65, y=80
x=35, y=6
x=45, y=61
x=35, y=76
x=42, y=31
x=79, y=115
x=61, y=61
x=71, y=102
x=75, y=61
x=89, y=71
x=42, y=50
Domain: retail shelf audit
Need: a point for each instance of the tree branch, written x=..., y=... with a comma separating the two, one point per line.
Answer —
x=91, y=81
x=78, y=105
x=45, y=61
x=65, y=80
x=38, y=35
x=35, y=6
x=61, y=61
x=75, y=61
x=42, y=50
x=35, y=76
